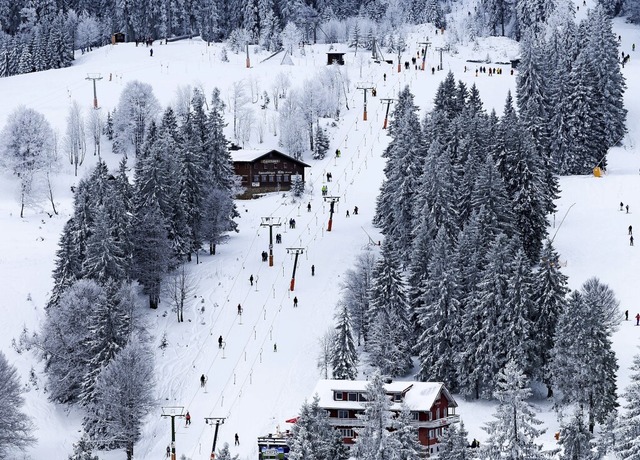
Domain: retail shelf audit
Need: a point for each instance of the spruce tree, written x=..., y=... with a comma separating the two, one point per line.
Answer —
x=405, y=436
x=454, y=444
x=628, y=426
x=390, y=339
x=550, y=299
x=344, y=359
x=513, y=434
x=583, y=365
x=439, y=316
x=151, y=252
x=374, y=441
x=576, y=440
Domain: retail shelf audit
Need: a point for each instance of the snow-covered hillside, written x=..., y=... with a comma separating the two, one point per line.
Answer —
x=254, y=387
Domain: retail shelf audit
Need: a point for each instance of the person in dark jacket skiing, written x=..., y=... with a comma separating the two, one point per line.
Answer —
x=220, y=342
x=295, y=301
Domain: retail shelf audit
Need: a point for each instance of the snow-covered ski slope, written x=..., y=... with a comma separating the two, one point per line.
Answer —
x=255, y=388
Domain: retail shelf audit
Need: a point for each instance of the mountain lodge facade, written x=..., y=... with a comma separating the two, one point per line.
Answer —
x=432, y=407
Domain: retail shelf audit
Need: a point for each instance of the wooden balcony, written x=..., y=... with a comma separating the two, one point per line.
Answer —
x=357, y=423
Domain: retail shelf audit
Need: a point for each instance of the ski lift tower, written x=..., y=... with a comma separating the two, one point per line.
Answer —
x=365, y=87
x=424, y=54
x=441, y=49
x=387, y=101
x=210, y=421
x=296, y=252
x=94, y=77
x=270, y=222
x=332, y=201
x=173, y=412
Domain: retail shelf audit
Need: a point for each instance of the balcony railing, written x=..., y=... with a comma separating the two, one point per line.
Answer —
x=356, y=422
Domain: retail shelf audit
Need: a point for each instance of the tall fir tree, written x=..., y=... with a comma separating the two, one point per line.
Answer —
x=583, y=365
x=628, y=426
x=514, y=432
x=344, y=359
x=390, y=338
x=440, y=317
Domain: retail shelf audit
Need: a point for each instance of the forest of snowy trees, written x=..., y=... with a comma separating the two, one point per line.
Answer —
x=468, y=279
x=41, y=35
x=94, y=337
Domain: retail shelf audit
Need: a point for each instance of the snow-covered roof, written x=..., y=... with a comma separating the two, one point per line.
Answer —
x=250, y=155
x=418, y=396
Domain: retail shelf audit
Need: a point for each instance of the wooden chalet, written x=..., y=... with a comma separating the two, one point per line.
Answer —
x=433, y=409
x=265, y=171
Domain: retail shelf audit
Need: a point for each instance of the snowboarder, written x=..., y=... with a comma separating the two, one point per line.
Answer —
x=239, y=309
x=293, y=223
x=355, y=210
x=203, y=380
x=251, y=280
x=187, y=419
x=630, y=230
x=384, y=76
x=237, y=438
x=638, y=319
x=328, y=177
x=309, y=207
x=621, y=206
x=313, y=270
x=626, y=315
x=347, y=213
x=151, y=52
x=275, y=347
x=627, y=208
x=633, y=47
x=220, y=342
x=631, y=240
x=168, y=451
x=295, y=302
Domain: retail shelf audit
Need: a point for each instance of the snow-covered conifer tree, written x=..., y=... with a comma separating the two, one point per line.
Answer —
x=344, y=359
x=628, y=429
x=355, y=288
x=374, y=440
x=583, y=364
x=390, y=338
x=550, y=298
x=576, y=439
x=513, y=433
x=405, y=436
x=439, y=317
x=454, y=444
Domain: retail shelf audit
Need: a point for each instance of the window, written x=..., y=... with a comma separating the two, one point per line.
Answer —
x=338, y=395
x=362, y=397
x=256, y=178
x=397, y=397
x=286, y=178
x=263, y=179
x=278, y=178
x=415, y=415
x=272, y=178
x=343, y=414
x=429, y=416
x=346, y=432
x=353, y=396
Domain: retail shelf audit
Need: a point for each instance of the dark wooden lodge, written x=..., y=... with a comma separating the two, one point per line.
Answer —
x=265, y=171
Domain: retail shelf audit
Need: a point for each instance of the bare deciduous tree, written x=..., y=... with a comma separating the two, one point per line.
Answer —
x=95, y=122
x=180, y=287
x=75, y=142
x=326, y=351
